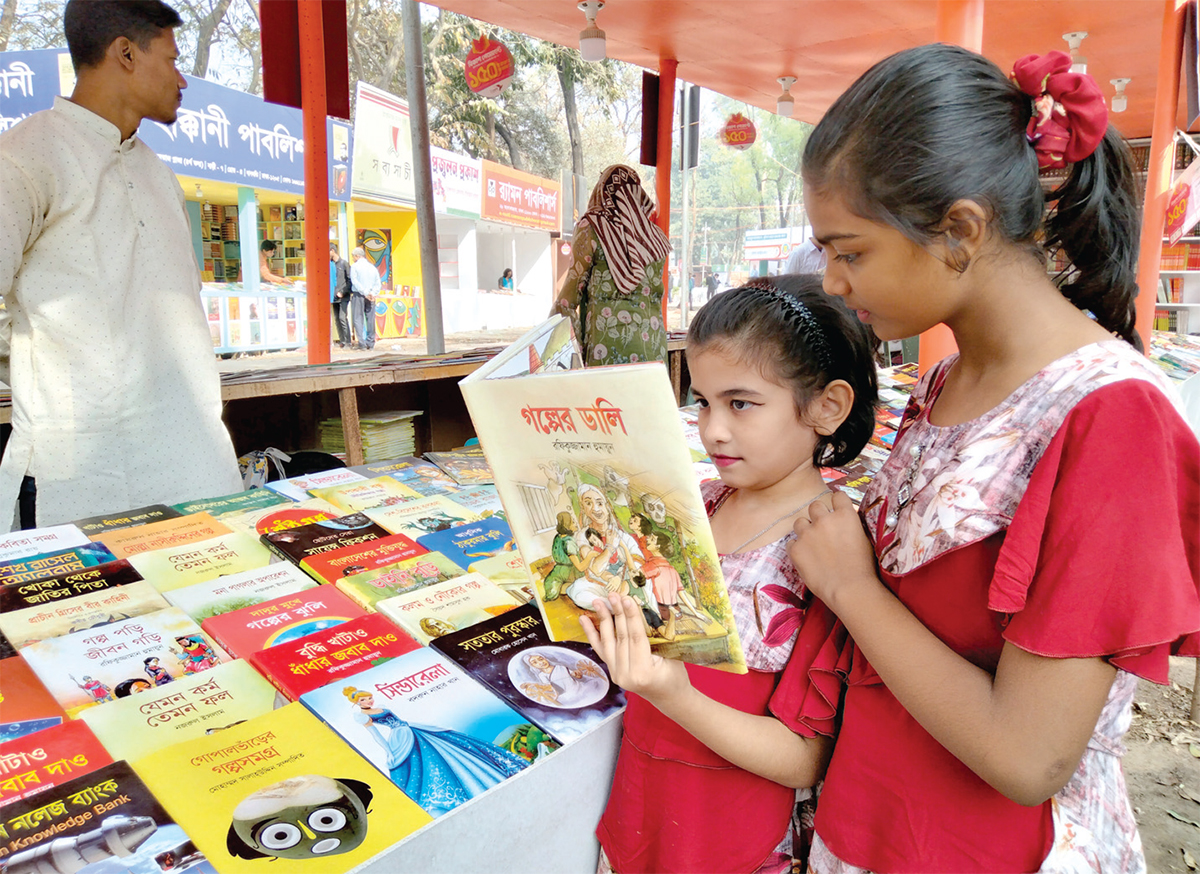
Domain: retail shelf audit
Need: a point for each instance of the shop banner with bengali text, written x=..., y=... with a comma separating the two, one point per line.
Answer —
x=383, y=155
x=455, y=183
x=519, y=198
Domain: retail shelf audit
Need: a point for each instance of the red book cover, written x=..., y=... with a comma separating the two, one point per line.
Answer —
x=309, y=662
x=49, y=757
x=329, y=567
x=26, y=705
x=246, y=631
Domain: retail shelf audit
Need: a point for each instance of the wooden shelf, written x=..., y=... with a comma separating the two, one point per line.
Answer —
x=1174, y=274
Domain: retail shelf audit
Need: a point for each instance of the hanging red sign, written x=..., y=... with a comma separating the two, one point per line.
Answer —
x=489, y=67
x=1183, y=207
x=738, y=132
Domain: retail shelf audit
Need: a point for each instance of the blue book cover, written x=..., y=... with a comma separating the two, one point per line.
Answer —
x=466, y=544
x=48, y=564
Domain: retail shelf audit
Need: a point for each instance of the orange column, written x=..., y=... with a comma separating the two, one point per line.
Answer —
x=959, y=22
x=316, y=180
x=662, y=173
x=1162, y=161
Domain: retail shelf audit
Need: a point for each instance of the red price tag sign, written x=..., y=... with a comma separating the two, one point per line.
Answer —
x=739, y=132
x=1183, y=207
x=489, y=67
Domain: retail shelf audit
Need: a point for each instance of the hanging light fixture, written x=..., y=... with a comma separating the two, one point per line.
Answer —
x=199, y=191
x=1119, y=103
x=784, y=102
x=1078, y=61
x=591, y=38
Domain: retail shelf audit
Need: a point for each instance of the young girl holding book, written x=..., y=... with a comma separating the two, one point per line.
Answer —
x=706, y=777
x=1035, y=535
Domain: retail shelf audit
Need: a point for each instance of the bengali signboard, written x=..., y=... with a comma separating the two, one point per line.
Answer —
x=29, y=82
x=773, y=244
x=519, y=198
x=455, y=183
x=383, y=155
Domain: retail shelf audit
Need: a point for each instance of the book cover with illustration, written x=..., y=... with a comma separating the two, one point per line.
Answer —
x=33, y=541
x=561, y=687
x=507, y=570
x=484, y=500
x=94, y=525
x=26, y=705
x=280, y=793
x=48, y=758
x=439, y=736
x=329, y=567
x=233, y=592
x=246, y=631
x=177, y=566
x=297, y=544
x=47, y=564
x=452, y=605
x=88, y=610
x=370, y=587
x=598, y=485
x=418, y=474
x=380, y=491
x=238, y=502
x=297, y=487
x=466, y=465
x=415, y=518
x=474, y=541
x=192, y=707
x=308, y=662
x=90, y=667
x=68, y=584
x=104, y=822
x=179, y=531
x=280, y=517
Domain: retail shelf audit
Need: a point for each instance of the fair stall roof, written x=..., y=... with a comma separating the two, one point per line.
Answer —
x=740, y=48
x=227, y=192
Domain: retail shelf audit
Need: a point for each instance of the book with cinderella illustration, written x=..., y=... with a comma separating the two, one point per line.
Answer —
x=598, y=486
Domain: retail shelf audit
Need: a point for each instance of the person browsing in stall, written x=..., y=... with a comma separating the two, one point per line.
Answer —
x=365, y=285
x=707, y=774
x=505, y=283
x=1031, y=544
x=116, y=397
x=339, y=295
x=266, y=251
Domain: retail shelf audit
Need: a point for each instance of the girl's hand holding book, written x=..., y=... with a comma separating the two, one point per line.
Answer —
x=619, y=637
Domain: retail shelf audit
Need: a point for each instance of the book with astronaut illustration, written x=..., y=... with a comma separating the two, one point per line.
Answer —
x=279, y=793
x=599, y=490
x=36, y=762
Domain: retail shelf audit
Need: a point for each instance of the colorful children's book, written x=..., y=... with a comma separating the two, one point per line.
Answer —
x=179, y=531
x=34, y=541
x=329, y=567
x=246, y=631
x=466, y=465
x=88, y=610
x=549, y=345
x=189, y=708
x=226, y=594
x=370, y=587
x=448, y=606
x=297, y=544
x=471, y=542
x=414, y=518
x=280, y=517
x=484, y=500
x=380, y=491
x=47, y=758
x=177, y=566
x=562, y=688
x=93, y=525
x=238, y=502
x=47, y=564
x=280, y=793
x=308, y=662
x=26, y=705
x=297, y=487
x=507, y=570
x=592, y=465
x=68, y=584
x=422, y=476
x=440, y=737
x=100, y=823
x=123, y=658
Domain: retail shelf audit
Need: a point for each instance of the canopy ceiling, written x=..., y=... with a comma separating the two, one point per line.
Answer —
x=739, y=47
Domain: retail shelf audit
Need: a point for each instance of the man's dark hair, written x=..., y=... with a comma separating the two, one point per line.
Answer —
x=268, y=246
x=334, y=249
x=92, y=25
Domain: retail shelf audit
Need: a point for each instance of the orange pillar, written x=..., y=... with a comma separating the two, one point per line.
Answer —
x=959, y=22
x=1162, y=161
x=662, y=173
x=316, y=180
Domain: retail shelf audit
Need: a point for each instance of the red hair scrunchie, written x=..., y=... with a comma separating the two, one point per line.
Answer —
x=1069, y=112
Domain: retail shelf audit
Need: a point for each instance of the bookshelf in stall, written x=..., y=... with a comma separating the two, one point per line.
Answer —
x=219, y=243
x=284, y=225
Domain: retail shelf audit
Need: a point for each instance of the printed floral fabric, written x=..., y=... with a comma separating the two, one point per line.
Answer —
x=613, y=328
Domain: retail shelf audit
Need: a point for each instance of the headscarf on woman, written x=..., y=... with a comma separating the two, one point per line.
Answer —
x=619, y=211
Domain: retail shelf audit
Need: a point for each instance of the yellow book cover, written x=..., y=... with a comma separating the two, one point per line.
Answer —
x=415, y=518
x=88, y=610
x=451, y=605
x=370, y=587
x=382, y=491
x=267, y=520
x=280, y=793
x=508, y=571
x=124, y=542
x=191, y=563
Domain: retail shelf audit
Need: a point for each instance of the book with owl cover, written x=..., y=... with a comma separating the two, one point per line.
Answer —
x=297, y=544
x=178, y=531
x=67, y=584
x=233, y=592
x=184, y=710
x=33, y=541
x=561, y=687
x=438, y=735
x=598, y=486
x=308, y=662
x=103, y=822
x=95, y=525
x=120, y=659
x=370, y=587
x=47, y=564
x=87, y=610
x=238, y=502
x=280, y=517
x=417, y=518
x=329, y=567
x=474, y=541
x=440, y=608
x=26, y=705
x=280, y=793
x=354, y=497
x=244, y=632
x=46, y=758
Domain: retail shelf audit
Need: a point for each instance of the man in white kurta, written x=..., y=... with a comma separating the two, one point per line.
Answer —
x=116, y=396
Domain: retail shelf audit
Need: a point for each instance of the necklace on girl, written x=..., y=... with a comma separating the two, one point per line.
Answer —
x=786, y=515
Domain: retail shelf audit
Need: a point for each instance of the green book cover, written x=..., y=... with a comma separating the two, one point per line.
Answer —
x=370, y=587
x=251, y=499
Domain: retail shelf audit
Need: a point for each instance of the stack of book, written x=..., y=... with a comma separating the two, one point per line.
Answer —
x=384, y=435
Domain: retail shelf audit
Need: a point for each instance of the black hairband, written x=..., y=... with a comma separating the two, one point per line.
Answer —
x=810, y=328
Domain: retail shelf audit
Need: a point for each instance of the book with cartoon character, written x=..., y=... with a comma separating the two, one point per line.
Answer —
x=417, y=518
x=36, y=762
x=279, y=793
x=599, y=490
x=368, y=588
x=466, y=465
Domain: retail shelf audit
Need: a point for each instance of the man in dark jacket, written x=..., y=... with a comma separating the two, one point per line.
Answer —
x=339, y=296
